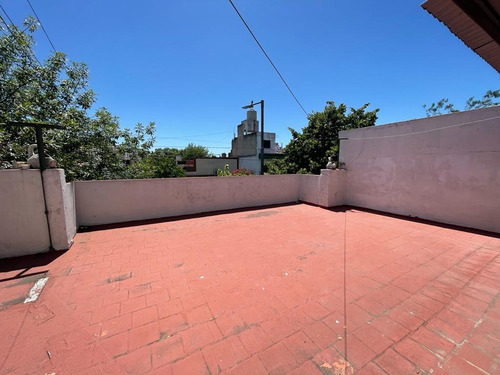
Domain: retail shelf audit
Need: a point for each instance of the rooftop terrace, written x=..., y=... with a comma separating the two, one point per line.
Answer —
x=258, y=292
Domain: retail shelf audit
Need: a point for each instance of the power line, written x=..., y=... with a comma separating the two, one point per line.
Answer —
x=197, y=135
x=41, y=24
x=162, y=146
x=194, y=140
x=262, y=49
x=423, y=131
x=12, y=33
x=10, y=20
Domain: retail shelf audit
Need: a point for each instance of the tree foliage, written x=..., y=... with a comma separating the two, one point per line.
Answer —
x=308, y=151
x=56, y=91
x=157, y=164
x=30, y=91
x=192, y=151
x=443, y=106
x=276, y=166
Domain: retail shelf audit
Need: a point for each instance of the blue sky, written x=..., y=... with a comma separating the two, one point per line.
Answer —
x=189, y=65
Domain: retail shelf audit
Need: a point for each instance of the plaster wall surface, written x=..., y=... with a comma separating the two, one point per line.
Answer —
x=61, y=208
x=23, y=226
x=336, y=187
x=325, y=190
x=249, y=144
x=444, y=168
x=244, y=145
x=104, y=202
x=310, y=189
x=251, y=163
x=70, y=211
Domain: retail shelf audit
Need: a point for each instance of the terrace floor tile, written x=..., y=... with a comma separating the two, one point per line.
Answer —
x=258, y=291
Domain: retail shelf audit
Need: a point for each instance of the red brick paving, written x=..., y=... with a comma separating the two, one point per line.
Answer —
x=258, y=292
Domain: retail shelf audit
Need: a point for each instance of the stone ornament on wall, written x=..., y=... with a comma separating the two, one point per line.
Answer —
x=331, y=164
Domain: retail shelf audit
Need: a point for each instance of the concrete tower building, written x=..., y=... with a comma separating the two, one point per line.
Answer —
x=246, y=145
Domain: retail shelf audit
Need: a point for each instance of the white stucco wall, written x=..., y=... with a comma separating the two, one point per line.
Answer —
x=61, y=208
x=310, y=189
x=445, y=168
x=336, y=187
x=23, y=227
x=104, y=202
x=70, y=211
x=325, y=190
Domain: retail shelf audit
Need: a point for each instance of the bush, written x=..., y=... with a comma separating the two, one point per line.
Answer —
x=241, y=172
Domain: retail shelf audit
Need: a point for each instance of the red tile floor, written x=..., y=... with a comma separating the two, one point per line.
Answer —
x=258, y=292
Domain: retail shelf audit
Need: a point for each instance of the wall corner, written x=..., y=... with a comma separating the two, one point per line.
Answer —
x=60, y=199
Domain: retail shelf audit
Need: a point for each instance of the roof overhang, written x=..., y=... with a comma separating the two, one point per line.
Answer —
x=475, y=22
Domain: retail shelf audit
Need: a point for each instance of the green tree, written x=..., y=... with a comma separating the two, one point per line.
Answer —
x=193, y=151
x=308, y=151
x=137, y=144
x=87, y=148
x=443, y=106
x=170, y=152
x=157, y=164
x=56, y=91
x=30, y=91
x=95, y=148
x=276, y=166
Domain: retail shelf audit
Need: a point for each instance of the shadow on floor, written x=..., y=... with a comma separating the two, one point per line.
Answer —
x=414, y=219
x=25, y=263
x=84, y=229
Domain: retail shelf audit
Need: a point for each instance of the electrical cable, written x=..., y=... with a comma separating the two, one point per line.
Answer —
x=197, y=135
x=198, y=140
x=10, y=20
x=423, y=131
x=181, y=147
x=267, y=56
x=201, y=142
x=11, y=32
x=41, y=25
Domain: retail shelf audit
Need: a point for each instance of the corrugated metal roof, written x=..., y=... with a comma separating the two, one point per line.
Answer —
x=470, y=31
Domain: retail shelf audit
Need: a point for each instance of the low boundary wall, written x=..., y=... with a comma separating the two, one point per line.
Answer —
x=23, y=225
x=105, y=202
x=444, y=168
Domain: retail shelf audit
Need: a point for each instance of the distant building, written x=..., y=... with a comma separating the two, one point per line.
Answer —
x=247, y=144
x=208, y=166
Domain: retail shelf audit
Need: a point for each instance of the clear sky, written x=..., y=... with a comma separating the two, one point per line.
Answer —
x=190, y=65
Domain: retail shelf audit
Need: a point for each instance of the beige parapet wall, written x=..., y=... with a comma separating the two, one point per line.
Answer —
x=23, y=224
x=24, y=229
x=115, y=201
x=325, y=190
x=444, y=168
x=60, y=197
x=103, y=202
